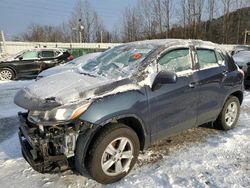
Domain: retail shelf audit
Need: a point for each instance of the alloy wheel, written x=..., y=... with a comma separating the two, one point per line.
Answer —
x=231, y=113
x=117, y=156
x=5, y=75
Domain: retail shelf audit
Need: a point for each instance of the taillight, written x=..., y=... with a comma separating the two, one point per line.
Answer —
x=70, y=58
x=242, y=72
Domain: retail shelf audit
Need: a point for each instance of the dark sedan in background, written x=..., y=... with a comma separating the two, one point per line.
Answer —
x=29, y=63
x=242, y=59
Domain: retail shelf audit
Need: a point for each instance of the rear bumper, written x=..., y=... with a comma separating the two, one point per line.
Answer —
x=35, y=150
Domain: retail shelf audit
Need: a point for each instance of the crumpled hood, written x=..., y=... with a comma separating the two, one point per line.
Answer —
x=56, y=70
x=64, y=88
x=56, y=90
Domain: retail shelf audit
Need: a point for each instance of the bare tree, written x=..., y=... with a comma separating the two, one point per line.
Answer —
x=44, y=33
x=131, y=25
x=157, y=13
x=147, y=18
x=226, y=10
x=183, y=17
x=211, y=9
x=166, y=9
x=84, y=15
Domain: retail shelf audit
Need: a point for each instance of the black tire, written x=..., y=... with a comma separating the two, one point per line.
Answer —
x=247, y=87
x=222, y=122
x=108, y=135
x=10, y=74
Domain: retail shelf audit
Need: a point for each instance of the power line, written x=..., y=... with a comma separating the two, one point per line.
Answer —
x=34, y=10
x=61, y=8
x=36, y=14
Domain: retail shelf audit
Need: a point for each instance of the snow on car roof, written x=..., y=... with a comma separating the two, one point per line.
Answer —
x=167, y=41
x=172, y=42
x=38, y=49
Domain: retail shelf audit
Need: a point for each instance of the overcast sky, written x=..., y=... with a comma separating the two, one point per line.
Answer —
x=17, y=15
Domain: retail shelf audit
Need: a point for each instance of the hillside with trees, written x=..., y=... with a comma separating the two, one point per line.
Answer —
x=227, y=29
x=220, y=21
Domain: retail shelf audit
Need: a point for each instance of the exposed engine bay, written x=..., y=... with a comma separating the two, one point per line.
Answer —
x=47, y=147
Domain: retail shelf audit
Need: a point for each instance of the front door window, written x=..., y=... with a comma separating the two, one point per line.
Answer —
x=30, y=55
x=177, y=61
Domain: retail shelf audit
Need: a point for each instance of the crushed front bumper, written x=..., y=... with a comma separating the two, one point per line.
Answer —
x=37, y=150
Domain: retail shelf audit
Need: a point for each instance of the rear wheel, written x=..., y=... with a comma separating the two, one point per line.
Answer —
x=230, y=114
x=7, y=74
x=113, y=153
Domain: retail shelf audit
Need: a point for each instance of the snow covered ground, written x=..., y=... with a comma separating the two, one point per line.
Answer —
x=200, y=157
x=8, y=90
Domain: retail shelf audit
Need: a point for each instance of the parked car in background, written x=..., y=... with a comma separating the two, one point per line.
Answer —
x=70, y=66
x=123, y=101
x=240, y=48
x=242, y=59
x=28, y=63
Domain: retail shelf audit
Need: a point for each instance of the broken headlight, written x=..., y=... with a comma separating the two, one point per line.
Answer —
x=62, y=113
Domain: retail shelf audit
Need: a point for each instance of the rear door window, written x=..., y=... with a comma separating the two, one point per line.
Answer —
x=206, y=58
x=47, y=54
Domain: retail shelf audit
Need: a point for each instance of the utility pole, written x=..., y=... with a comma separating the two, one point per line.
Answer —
x=2, y=39
x=166, y=31
x=101, y=36
x=75, y=30
x=81, y=28
x=245, y=36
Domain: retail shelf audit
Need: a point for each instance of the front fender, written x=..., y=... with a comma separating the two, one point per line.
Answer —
x=126, y=104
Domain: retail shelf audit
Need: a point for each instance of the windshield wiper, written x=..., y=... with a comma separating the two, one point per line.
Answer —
x=81, y=71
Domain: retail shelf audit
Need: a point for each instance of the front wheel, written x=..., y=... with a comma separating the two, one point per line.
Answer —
x=230, y=114
x=113, y=153
x=6, y=74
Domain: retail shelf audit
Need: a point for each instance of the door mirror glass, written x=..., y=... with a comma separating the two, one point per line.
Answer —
x=164, y=77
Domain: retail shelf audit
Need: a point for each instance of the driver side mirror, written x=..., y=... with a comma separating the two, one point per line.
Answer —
x=20, y=58
x=164, y=77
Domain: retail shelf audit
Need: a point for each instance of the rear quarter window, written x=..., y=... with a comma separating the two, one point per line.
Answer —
x=47, y=54
x=220, y=58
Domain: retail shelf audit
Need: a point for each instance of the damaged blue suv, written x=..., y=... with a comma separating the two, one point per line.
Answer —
x=99, y=116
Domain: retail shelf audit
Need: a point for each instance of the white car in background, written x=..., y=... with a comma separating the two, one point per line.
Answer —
x=70, y=66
